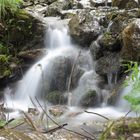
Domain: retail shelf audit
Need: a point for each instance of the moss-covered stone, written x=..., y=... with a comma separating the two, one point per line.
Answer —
x=122, y=129
x=56, y=97
x=90, y=99
x=131, y=45
x=128, y=4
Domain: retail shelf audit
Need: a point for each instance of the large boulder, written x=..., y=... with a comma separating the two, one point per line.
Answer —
x=128, y=4
x=61, y=69
x=56, y=98
x=131, y=41
x=31, y=56
x=84, y=28
x=110, y=63
x=56, y=7
x=96, y=49
x=96, y=3
x=90, y=99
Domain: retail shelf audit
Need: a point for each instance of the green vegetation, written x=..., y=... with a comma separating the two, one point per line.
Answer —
x=8, y=5
x=133, y=97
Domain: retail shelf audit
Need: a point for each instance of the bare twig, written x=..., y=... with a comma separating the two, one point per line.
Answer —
x=46, y=112
x=107, y=129
x=72, y=70
x=33, y=103
x=17, y=125
x=30, y=122
x=79, y=134
x=89, y=133
x=98, y=115
x=127, y=113
x=55, y=129
x=9, y=121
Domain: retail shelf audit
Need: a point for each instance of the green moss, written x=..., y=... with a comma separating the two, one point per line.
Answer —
x=90, y=99
x=122, y=129
x=56, y=98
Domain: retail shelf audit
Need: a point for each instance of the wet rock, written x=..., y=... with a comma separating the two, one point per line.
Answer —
x=33, y=111
x=131, y=41
x=56, y=97
x=61, y=72
x=57, y=6
x=91, y=99
x=84, y=28
x=110, y=42
x=132, y=126
x=31, y=56
x=58, y=110
x=128, y=4
x=98, y=3
x=96, y=49
x=110, y=63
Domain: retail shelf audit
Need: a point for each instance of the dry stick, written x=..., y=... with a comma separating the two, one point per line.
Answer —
x=33, y=103
x=55, y=129
x=98, y=115
x=7, y=123
x=17, y=125
x=127, y=113
x=89, y=133
x=72, y=70
x=78, y=133
x=60, y=125
x=70, y=78
x=30, y=122
x=107, y=129
x=46, y=112
x=124, y=122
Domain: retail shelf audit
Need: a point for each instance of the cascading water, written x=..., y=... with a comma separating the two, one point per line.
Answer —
x=58, y=44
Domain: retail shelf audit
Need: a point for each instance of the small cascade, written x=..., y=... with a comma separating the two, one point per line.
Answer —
x=109, y=25
x=86, y=83
x=43, y=73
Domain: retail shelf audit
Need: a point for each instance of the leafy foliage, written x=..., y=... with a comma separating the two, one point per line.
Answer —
x=8, y=5
x=133, y=97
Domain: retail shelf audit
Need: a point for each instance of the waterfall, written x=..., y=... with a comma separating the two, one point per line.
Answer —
x=40, y=75
x=58, y=44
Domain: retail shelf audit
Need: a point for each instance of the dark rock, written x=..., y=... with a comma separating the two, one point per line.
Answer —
x=55, y=8
x=96, y=49
x=128, y=4
x=131, y=41
x=110, y=42
x=84, y=28
x=31, y=56
x=57, y=110
x=110, y=63
x=90, y=99
x=56, y=97
x=96, y=3
x=61, y=72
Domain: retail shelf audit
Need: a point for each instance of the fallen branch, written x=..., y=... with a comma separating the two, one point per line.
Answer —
x=98, y=115
x=17, y=125
x=89, y=133
x=6, y=123
x=30, y=122
x=72, y=70
x=55, y=129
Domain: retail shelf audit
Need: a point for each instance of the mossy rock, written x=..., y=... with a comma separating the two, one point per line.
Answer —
x=123, y=129
x=90, y=99
x=110, y=42
x=125, y=4
x=56, y=97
